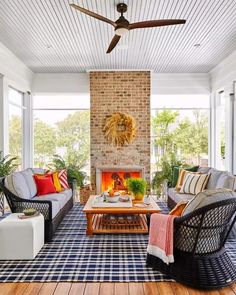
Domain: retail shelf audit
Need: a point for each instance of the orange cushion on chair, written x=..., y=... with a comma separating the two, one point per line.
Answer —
x=179, y=208
x=44, y=185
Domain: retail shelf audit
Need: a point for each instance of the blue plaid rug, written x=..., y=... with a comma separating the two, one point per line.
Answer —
x=72, y=256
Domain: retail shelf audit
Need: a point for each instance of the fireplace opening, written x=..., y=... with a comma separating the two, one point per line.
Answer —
x=117, y=180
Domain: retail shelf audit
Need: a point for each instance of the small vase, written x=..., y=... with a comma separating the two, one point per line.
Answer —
x=138, y=197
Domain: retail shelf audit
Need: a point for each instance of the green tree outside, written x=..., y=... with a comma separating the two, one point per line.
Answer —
x=186, y=139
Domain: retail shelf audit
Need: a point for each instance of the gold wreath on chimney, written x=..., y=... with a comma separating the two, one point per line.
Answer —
x=120, y=129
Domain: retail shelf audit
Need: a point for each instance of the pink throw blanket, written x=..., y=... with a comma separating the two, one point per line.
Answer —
x=161, y=237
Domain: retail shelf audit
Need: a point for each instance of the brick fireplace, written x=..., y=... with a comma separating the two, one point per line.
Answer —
x=115, y=178
x=127, y=92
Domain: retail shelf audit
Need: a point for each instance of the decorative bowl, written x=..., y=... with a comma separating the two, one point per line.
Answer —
x=29, y=212
x=124, y=198
x=113, y=199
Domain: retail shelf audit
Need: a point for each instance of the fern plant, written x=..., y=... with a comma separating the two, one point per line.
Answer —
x=73, y=171
x=8, y=164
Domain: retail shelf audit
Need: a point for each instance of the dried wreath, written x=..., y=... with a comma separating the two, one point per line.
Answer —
x=120, y=129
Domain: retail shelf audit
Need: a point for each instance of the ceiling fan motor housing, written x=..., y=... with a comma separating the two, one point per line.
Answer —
x=121, y=7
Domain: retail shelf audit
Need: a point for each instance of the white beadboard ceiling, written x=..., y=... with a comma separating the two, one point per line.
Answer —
x=50, y=36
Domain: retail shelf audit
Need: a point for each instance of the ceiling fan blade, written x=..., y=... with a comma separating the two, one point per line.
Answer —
x=93, y=14
x=156, y=23
x=113, y=43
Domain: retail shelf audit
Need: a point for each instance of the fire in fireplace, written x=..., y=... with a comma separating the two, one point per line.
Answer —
x=117, y=180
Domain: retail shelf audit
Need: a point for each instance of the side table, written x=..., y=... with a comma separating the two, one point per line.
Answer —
x=21, y=239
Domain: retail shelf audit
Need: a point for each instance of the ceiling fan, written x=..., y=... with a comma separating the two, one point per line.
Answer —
x=122, y=26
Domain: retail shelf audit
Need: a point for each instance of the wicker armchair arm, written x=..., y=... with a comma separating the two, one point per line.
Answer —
x=44, y=207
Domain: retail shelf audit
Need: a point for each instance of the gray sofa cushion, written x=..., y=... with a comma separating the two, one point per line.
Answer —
x=28, y=174
x=62, y=198
x=215, y=175
x=16, y=183
x=204, y=170
x=175, y=196
x=37, y=170
x=55, y=204
x=226, y=180
x=208, y=197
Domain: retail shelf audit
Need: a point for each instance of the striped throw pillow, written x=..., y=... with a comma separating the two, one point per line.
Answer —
x=194, y=183
x=62, y=175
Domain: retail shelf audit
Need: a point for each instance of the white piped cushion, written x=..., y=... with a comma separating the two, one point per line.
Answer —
x=16, y=183
x=208, y=197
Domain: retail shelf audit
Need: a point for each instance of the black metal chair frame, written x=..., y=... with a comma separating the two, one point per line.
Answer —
x=17, y=205
x=201, y=260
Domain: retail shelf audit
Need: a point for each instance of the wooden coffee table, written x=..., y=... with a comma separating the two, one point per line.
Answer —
x=118, y=220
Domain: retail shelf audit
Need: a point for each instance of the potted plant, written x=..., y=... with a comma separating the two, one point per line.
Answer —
x=7, y=166
x=138, y=187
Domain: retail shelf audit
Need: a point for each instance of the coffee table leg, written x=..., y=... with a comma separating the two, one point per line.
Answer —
x=89, y=230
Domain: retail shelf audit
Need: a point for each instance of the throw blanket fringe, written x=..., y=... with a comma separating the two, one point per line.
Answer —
x=161, y=237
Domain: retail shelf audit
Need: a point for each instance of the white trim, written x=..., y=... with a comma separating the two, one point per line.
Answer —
x=27, y=134
x=234, y=130
x=4, y=116
x=61, y=109
x=17, y=105
x=118, y=70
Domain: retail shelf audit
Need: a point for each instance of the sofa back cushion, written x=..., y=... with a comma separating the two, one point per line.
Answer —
x=226, y=180
x=215, y=175
x=38, y=170
x=16, y=183
x=28, y=174
x=208, y=197
x=219, y=179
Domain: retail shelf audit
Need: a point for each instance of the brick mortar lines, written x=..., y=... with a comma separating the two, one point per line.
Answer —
x=127, y=92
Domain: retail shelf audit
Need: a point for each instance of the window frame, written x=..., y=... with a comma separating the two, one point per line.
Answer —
x=22, y=108
x=52, y=109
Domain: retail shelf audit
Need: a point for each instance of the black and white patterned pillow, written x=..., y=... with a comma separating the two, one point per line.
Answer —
x=194, y=183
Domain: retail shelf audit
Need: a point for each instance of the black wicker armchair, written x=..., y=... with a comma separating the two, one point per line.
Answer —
x=18, y=204
x=201, y=260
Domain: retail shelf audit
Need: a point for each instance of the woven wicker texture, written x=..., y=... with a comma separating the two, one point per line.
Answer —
x=199, y=237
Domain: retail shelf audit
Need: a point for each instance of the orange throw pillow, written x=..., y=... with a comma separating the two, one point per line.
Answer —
x=179, y=208
x=56, y=182
x=44, y=185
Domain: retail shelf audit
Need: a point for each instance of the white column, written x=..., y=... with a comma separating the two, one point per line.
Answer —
x=28, y=131
x=234, y=130
x=4, y=116
x=212, y=132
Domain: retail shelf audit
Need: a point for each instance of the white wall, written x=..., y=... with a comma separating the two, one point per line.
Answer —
x=17, y=74
x=180, y=83
x=160, y=83
x=60, y=83
x=223, y=75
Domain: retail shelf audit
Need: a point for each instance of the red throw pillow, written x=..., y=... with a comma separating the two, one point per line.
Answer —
x=44, y=185
x=62, y=175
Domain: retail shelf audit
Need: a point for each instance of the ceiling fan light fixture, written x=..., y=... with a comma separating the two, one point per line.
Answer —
x=121, y=31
